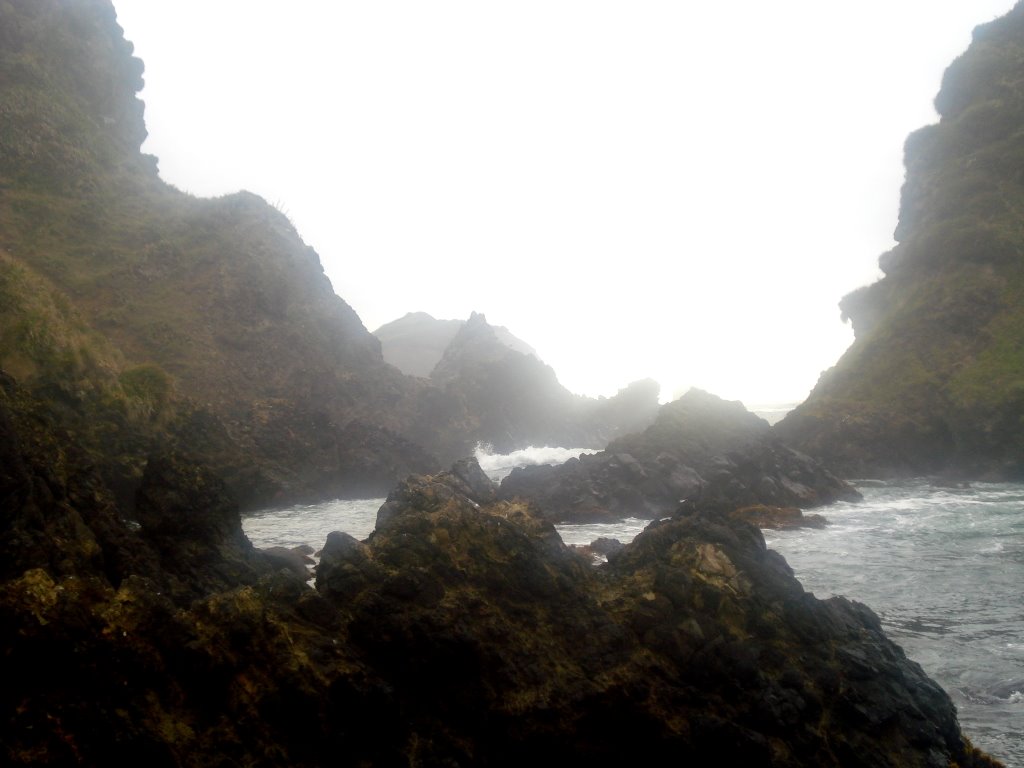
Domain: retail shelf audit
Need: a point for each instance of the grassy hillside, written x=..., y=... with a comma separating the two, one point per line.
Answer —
x=935, y=379
x=106, y=270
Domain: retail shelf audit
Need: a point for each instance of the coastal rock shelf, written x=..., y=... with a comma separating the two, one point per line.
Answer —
x=461, y=632
x=700, y=448
x=700, y=644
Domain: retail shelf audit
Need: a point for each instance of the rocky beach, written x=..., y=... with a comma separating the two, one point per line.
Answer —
x=168, y=363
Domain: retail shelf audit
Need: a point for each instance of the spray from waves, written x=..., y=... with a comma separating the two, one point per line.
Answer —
x=498, y=466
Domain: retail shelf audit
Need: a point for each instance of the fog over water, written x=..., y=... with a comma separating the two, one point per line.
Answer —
x=681, y=191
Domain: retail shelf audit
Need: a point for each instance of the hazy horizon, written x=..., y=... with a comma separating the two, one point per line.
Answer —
x=680, y=193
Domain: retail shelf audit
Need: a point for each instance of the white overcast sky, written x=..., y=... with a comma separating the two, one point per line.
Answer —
x=678, y=190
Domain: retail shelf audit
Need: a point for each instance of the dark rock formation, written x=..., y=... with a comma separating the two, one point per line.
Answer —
x=167, y=355
x=934, y=382
x=296, y=560
x=700, y=645
x=462, y=632
x=116, y=281
x=605, y=546
x=700, y=448
x=134, y=302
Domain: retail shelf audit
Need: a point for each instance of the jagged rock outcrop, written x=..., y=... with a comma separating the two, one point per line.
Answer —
x=218, y=303
x=934, y=382
x=700, y=644
x=513, y=400
x=188, y=313
x=700, y=448
x=139, y=626
x=415, y=343
x=462, y=631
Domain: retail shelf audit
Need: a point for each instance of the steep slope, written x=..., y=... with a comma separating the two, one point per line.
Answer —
x=415, y=342
x=220, y=300
x=221, y=297
x=935, y=379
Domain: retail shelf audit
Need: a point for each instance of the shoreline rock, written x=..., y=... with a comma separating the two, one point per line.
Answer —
x=461, y=632
x=697, y=636
x=700, y=448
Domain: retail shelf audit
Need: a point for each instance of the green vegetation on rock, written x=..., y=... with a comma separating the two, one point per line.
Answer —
x=221, y=295
x=163, y=358
x=127, y=299
x=934, y=382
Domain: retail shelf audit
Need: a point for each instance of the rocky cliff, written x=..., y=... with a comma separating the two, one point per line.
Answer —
x=415, y=343
x=204, y=309
x=165, y=355
x=217, y=304
x=934, y=382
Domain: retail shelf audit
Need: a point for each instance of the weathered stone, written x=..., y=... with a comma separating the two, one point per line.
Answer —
x=700, y=448
x=462, y=631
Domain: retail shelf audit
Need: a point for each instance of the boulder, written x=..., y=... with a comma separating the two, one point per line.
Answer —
x=295, y=560
x=694, y=643
x=699, y=448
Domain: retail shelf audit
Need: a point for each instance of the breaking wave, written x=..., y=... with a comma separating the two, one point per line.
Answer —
x=499, y=465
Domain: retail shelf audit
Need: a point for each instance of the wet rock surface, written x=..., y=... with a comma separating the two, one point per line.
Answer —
x=701, y=448
x=461, y=632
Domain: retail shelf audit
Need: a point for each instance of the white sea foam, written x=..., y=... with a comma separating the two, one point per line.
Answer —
x=310, y=523
x=499, y=465
x=584, y=533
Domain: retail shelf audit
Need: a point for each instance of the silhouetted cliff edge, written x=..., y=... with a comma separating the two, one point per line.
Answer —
x=934, y=382
x=415, y=342
x=122, y=295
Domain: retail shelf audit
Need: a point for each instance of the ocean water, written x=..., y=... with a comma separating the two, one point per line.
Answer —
x=310, y=523
x=942, y=567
